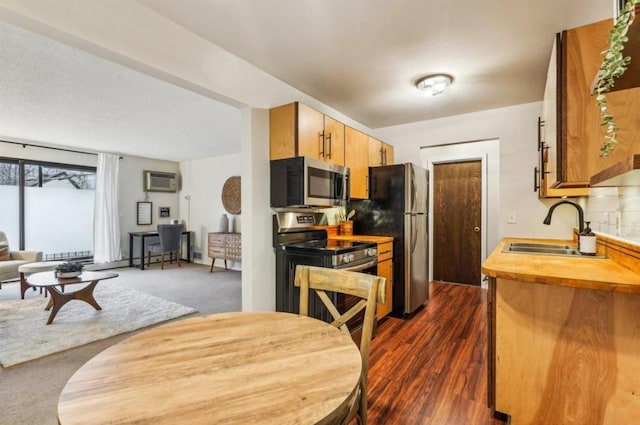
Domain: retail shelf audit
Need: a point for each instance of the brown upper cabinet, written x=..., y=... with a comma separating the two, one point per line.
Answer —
x=552, y=172
x=298, y=130
x=624, y=106
x=380, y=153
x=356, y=158
x=572, y=134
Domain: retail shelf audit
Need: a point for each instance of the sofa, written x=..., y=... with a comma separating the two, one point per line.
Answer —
x=9, y=268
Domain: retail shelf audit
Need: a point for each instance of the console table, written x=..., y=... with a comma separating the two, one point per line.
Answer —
x=145, y=235
x=225, y=246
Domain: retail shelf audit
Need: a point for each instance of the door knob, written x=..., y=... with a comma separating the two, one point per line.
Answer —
x=476, y=229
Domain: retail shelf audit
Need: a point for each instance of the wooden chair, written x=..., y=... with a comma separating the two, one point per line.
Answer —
x=371, y=289
x=170, y=241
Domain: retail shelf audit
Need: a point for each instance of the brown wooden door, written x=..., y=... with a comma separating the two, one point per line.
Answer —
x=457, y=191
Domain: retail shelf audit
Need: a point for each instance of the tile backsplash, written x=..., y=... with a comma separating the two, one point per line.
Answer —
x=614, y=211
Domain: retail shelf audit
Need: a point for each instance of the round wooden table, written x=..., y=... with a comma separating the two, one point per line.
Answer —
x=244, y=368
x=50, y=282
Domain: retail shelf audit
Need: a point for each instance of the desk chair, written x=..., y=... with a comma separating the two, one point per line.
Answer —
x=170, y=241
x=371, y=290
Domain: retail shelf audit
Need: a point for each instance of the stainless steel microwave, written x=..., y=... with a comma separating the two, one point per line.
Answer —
x=308, y=182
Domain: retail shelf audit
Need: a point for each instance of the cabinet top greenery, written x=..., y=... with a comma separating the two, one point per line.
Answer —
x=614, y=65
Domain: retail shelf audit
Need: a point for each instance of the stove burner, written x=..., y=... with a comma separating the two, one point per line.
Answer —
x=341, y=253
x=331, y=245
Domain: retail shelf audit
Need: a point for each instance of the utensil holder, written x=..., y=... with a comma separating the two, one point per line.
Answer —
x=346, y=228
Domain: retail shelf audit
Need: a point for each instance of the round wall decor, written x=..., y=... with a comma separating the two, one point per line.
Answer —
x=231, y=195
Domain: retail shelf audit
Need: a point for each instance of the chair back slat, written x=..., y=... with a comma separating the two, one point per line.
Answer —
x=351, y=283
x=370, y=289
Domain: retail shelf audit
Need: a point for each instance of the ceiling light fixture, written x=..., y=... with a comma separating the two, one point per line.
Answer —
x=435, y=84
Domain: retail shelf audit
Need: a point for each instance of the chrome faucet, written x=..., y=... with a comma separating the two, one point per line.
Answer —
x=547, y=219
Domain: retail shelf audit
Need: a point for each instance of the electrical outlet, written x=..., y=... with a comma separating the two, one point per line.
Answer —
x=511, y=217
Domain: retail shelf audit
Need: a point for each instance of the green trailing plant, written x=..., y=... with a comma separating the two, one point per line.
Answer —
x=69, y=266
x=613, y=66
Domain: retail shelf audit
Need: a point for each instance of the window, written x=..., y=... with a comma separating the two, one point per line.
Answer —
x=50, y=207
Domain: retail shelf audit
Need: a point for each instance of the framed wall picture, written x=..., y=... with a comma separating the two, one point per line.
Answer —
x=144, y=213
x=164, y=212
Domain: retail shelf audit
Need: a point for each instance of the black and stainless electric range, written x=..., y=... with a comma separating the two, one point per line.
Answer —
x=299, y=239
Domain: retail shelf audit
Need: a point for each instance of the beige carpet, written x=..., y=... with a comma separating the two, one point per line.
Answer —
x=25, y=336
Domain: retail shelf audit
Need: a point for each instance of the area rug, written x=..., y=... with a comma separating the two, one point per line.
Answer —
x=25, y=336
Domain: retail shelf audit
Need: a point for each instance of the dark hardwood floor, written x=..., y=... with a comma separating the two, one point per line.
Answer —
x=432, y=368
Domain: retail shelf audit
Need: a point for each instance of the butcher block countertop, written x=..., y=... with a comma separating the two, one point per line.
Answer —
x=363, y=238
x=588, y=273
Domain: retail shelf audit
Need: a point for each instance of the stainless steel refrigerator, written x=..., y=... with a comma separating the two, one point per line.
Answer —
x=398, y=206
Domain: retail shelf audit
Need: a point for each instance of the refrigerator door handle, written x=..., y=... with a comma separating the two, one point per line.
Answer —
x=413, y=190
x=414, y=233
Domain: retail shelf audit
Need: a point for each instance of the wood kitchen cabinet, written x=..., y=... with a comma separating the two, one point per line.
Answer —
x=560, y=349
x=548, y=180
x=380, y=153
x=623, y=104
x=356, y=158
x=571, y=137
x=298, y=130
x=563, y=335
x=385, y=269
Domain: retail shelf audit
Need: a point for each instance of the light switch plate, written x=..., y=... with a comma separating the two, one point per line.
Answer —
x=511, y=217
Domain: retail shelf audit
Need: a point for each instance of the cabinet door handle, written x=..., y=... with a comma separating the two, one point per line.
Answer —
x=367, y=183
x=329, y=140
x=536, y=185
x=321, y=137
x=540, y=125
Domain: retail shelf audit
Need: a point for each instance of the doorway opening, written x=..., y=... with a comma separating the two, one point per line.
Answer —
x=486, y=155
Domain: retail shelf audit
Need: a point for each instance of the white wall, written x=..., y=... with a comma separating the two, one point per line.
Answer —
x=130, y=192
x=259, y=271
x=515, y=128
x=202, y=182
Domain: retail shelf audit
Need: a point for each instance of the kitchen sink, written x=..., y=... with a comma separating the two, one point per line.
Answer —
x=545, y=249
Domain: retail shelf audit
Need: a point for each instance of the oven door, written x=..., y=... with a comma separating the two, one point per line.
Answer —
x=369, y=267
x=344, y=302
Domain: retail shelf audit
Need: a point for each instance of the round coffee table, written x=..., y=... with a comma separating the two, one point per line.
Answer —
x=50, y=282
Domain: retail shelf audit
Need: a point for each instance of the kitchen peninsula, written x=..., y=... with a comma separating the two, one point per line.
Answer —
x=564, y=336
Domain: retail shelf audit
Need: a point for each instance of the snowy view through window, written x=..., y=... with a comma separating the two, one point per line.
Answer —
x=58, y=208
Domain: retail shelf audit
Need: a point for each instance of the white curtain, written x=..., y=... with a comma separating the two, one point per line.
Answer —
x=106, y=222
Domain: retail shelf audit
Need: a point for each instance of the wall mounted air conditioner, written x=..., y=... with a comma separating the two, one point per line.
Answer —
x=159, y=181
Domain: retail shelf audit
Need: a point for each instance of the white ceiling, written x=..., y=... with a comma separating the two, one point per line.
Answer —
x=51, y=93
x=359, y=57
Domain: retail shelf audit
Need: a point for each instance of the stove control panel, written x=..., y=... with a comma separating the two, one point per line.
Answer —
x=358, y=256
x=306, y=219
